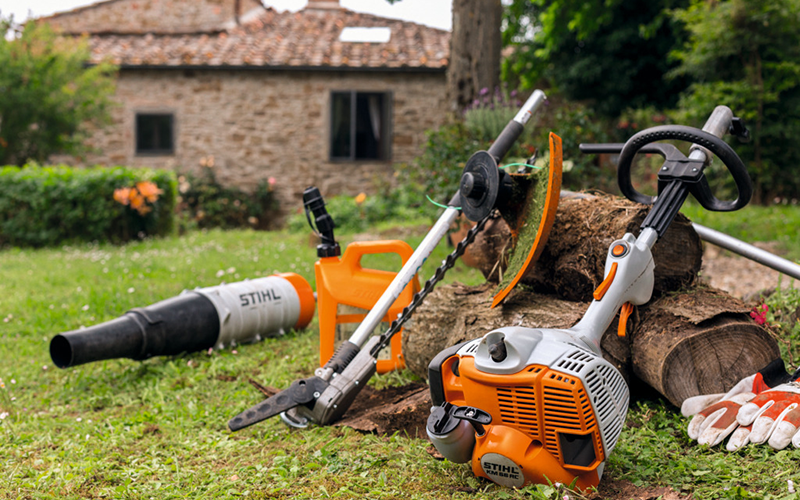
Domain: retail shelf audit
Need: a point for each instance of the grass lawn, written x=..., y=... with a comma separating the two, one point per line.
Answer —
x=157, y=429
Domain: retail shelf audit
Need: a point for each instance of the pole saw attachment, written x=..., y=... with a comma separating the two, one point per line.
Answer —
x=536, y=405
x=324, y=397
x=212, y=317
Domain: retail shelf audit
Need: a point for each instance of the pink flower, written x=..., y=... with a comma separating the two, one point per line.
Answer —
x=759, y=314
x=271, y=181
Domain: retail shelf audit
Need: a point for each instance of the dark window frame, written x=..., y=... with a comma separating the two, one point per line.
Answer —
x=159, y=151
x=385, y=146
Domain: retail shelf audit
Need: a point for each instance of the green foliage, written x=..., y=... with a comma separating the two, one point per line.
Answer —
x=205, y=203
x=49, y=98
x=489, y=114
x=575, y=124
x=368, y=212
x=746, y=54
x=783, y=319
x=49, y=205
x=612, y=53
x=437, y=170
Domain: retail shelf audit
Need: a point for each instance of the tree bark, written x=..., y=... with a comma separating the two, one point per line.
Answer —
x=572, y=264
x=701, y=341
x=474, y=50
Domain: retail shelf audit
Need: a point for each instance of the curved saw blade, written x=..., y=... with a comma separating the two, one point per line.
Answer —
x=533, y=222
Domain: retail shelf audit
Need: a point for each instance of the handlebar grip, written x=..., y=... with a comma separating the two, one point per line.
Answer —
x=700, y=190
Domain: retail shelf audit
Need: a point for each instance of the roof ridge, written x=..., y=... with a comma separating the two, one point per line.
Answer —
x=76, y=9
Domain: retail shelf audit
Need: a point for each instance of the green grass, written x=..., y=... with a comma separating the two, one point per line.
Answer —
x=157, y=429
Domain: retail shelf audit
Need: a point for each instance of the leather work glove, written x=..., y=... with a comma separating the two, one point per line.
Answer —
x=773, y=415
x=716, y=415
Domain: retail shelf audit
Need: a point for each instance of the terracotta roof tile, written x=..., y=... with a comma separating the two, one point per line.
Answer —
x=309, y=38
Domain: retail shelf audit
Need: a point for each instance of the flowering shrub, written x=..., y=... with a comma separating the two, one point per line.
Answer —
x=489, y=114
x=42, y=206
x=205, y=203
x=138, y=196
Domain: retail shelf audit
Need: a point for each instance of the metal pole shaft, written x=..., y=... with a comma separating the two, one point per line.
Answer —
x=406, y=274
x=747, y=250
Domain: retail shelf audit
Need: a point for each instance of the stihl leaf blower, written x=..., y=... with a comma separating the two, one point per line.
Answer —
x=324, y=397
x=212, y=317
x=535, y=405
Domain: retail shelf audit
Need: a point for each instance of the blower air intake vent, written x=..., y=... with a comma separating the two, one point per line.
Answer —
x=566, y=409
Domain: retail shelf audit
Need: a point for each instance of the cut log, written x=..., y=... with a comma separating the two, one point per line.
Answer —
x=573, y=262
x=698, y=342
x=701, y=342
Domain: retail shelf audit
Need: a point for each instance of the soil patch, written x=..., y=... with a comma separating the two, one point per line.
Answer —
x=394, y=409
x=741, y=277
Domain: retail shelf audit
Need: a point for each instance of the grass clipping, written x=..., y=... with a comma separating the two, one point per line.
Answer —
x=528, y=222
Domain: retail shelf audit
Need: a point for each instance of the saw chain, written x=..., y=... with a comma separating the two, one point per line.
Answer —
x=419, y=297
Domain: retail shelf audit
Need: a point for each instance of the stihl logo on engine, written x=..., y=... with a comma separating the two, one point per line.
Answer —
x=254, y=298
x=499, y=470
x=502, y=470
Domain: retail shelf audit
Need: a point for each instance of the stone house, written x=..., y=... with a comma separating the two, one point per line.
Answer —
x=324, y=96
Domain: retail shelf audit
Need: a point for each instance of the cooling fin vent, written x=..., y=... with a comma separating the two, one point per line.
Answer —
x=610, y=396
x=518, y=409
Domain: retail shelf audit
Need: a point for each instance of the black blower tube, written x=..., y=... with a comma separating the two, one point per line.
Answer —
x=186, y=323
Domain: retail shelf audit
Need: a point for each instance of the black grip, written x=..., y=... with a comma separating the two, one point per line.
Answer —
x=502, y=145
x=343, y=356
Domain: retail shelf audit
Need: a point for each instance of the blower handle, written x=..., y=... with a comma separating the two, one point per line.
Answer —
x=322, y=222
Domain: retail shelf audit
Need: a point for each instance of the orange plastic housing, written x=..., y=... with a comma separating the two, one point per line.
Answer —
x=530, y=410
x=346, y=292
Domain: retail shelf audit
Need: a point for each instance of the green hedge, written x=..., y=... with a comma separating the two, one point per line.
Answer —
x=42, y=206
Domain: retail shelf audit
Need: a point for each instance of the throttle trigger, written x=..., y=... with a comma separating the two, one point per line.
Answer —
x=624, y=313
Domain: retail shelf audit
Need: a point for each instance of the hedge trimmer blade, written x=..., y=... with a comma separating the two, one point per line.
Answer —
x=531, y=226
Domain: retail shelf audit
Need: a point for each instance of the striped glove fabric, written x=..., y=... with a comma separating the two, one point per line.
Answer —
x=772, y=416
x=717, y=416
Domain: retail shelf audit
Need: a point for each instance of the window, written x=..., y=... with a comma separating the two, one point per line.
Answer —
x=360, y=126
x=154, y=134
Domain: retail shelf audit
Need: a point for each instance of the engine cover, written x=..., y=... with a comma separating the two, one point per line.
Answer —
x=557, y=408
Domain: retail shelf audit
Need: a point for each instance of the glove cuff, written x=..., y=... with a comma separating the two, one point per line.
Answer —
x=775, y=374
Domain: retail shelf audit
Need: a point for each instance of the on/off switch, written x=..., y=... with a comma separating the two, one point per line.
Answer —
x=619, y=250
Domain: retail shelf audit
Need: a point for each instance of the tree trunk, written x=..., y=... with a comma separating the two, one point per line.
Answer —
x=698, y=342
x=474, y=50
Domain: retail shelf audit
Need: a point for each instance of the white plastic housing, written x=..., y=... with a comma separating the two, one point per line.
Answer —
x=251, y=310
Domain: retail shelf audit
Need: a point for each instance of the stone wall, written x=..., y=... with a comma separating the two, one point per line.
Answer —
x=144, y=16
x=261, y=124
